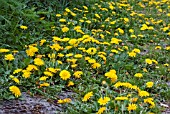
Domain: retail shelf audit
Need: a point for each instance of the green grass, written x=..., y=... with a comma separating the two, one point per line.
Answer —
x=97, y=31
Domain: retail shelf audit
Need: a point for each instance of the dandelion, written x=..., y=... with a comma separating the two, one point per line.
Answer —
x=126, y=20
x=73, y=65
x=31, y=68
x=64, y=74
x=62, y=20
x=144, y=27
x=26, y=74
x=121, y=98
x=101, y=110
x=131, y=30
x=48, y=73
x=97, y=15
x=114, y=51
x=31, y=51
x=158, y=47
x=17, y=71
x=150, y=101
x=166, y=64
x=65, y=29
x=9, y=57
x=15, y=90
x=45, y=84
x=62, y=101
x=70, y=83
x=91, y=51
x=4, y=50
x=43, y=78
x=167, y=48
x=148, y=61
x=67, y=10
x=78, y=74
x=132, y=54
x=96, y=65
x=73, y=14
x=15, y=79
x=121, y=31
x=115, y=41
x=139, y=75
x=87, y=96
x=133, y=99
x=69, y=55
x=58, y=15
x=112, y=75
x=38, y=62
x=42, y=42
x=136, y=50
x=143, y=93
x=149, y=84
x=112, y=22
x=131, y=107
x=154, y=61
x=23, y=27
x=103, y=101
x=78, y=56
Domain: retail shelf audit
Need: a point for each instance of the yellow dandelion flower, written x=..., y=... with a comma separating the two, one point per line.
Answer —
x=23, y=27
x=42, y=42
x=91, y=51
x=148, y=61
x=31, y=68
x=101, y=110
x=65, y=29
x=53, y=70
x=43, y=78
x=96, y=65
x=9, y=57
x=136, y=50
x=48, y=73
x=114, y=51
x=149, y=84
x=158, y=47
x=167, y=48
x=64, y=74
x=70, y=83
x=62, y=101
x=15, y=90
x=121, y=98
x=78, y=56
x=4, y=50
x=44, y=84
x=58, y=15
x=62, y=20
x=26, y=74
x=38, y=62
x=87, y=96
x=78, y=74
x=73, y=65
x=17, y=71
x=131, y=107
x=103, y=101
x=133, y=99
x=132, y=54
x=14, y=79
x=143, y=93
x=115, y=41
x=139, y=75
x=31, y=50
x=131, y=30
x=154, y=61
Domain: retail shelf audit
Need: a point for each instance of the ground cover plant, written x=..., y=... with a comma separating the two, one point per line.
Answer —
x=113, y=55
